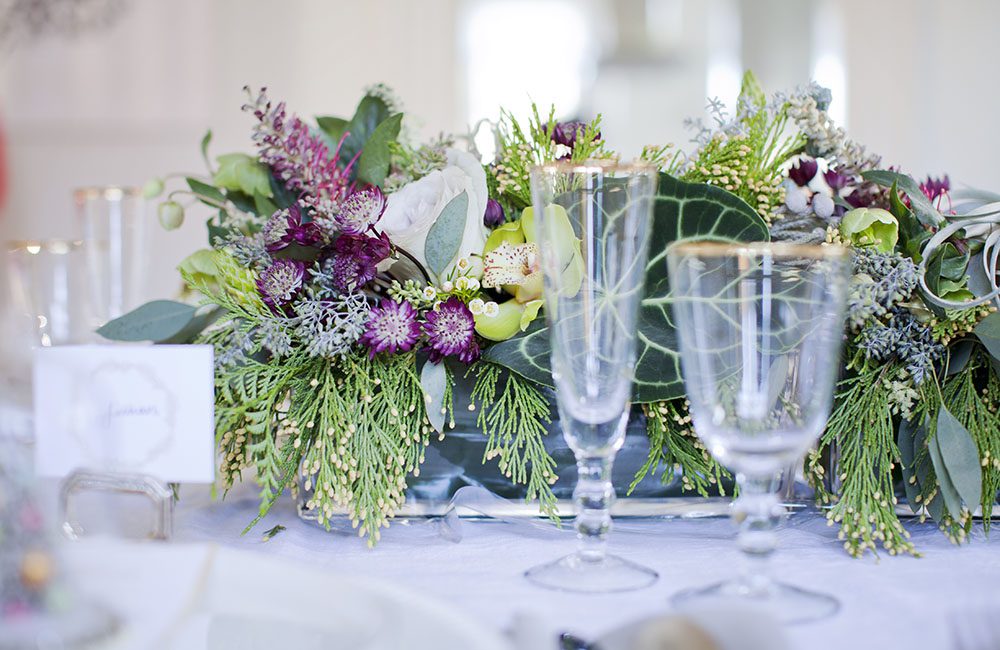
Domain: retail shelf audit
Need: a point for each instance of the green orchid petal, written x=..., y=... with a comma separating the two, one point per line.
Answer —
x=530, y=312
x=871, y=227
x=509, y=232
x=566, y=247
x=504, y=325
x=528, y=224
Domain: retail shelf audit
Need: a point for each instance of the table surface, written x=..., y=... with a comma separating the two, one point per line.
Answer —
x=476, y=566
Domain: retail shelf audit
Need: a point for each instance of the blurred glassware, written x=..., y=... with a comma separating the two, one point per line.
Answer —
x=114, y=240
x=593, y=222
x=760, y=329
x=48, y=284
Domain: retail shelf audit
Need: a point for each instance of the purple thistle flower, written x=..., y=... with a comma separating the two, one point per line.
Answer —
x=285, y=227
x=935, y=187
x=494, y=215
x=803, y=171
x=361, y=210
x=835, y=180
x=450, y=330
x=279, y=283
x=392, y=327
x=354, y=260
x=300, y=159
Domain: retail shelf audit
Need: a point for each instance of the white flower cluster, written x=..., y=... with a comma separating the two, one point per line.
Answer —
x=826, y=139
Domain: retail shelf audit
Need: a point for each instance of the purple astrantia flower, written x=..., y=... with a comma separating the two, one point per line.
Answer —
x=354, y=260
x=566, y=133
x=803, y=171
x=361, y=210
x=280, y=282
x=450, y=330
x=935, y=187
x=835, y=179
x=285, y=227
x=296, y=156
x=392, y=327
x=494, y=215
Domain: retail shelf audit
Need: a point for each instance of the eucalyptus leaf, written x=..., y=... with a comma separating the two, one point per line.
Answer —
x=958, y=356
x=908, y=457
x=155, y=321
x=946, y=489
x=445, y=237
x=434, y=381
x=203, y=318
x=988, y=331
x=922, y=207
x=961, y=457
x=373, y=166
x=681, y=211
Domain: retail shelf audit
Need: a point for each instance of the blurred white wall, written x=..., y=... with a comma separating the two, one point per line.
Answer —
x=131, y=102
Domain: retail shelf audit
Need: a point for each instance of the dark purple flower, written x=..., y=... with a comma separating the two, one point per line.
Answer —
x=803, y=171
x=566, y=133
x=279, y=283
x=285, y=227
x=935, y=187
x=859, y=198
x=392, y=327
x=361, y=210
x=494, y=215
x=450, y=330
x=835, y=180
x=354, y=259
x=297, y=157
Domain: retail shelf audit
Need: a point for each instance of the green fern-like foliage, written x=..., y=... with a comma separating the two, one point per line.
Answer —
x=513, y=414
x=674, y=447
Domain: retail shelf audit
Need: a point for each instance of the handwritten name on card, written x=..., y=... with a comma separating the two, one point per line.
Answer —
x=140, y=409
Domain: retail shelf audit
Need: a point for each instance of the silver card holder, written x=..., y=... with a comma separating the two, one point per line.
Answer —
x=115, y=503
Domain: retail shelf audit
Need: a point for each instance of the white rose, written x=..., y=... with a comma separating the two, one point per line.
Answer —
x=413, y=209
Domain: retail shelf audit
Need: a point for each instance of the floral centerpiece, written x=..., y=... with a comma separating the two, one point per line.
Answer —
x=355, y=275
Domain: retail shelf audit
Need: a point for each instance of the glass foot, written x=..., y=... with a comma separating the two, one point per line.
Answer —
x=786, y=603
x=578, y=573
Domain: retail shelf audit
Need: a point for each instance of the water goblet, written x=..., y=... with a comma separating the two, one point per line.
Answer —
x=760, y=329
x=592, y=224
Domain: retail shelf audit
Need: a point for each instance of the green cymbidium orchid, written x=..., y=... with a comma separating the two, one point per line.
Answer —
x=511, y=262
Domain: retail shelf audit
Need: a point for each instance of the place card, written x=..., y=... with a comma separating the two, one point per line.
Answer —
x=136, y=409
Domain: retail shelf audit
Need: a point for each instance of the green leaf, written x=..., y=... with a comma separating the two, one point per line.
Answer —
x=988, y=331
x=912, y=234
x=205, y=141
x=922, y=207
x=959, y=354
x=434, y=381
x=905, y=440
x=373, y=166
x=445, y=237
x=155, y=321
x=961, y=457
x=682, y=211
x=243, y=173
x=206, y=316
x=946, y=489
x=206, y=190
x=371, y=112
x=332, y=127
x=280, y=194
x=264, y=206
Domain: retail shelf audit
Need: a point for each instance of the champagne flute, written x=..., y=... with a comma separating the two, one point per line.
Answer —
x=592, y=222
x=760, y=329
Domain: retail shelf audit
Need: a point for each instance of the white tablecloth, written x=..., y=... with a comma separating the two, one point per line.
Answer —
x=892, y=602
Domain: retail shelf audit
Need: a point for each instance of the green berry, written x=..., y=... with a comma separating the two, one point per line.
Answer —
x=171, y=215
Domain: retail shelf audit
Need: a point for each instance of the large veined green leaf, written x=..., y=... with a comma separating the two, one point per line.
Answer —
x=682, y=211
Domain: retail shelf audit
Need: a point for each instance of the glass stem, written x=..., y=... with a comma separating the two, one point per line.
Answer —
x=593, y=495
x=757, y=512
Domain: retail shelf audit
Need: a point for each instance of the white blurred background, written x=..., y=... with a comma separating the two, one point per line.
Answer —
x=129, y=98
